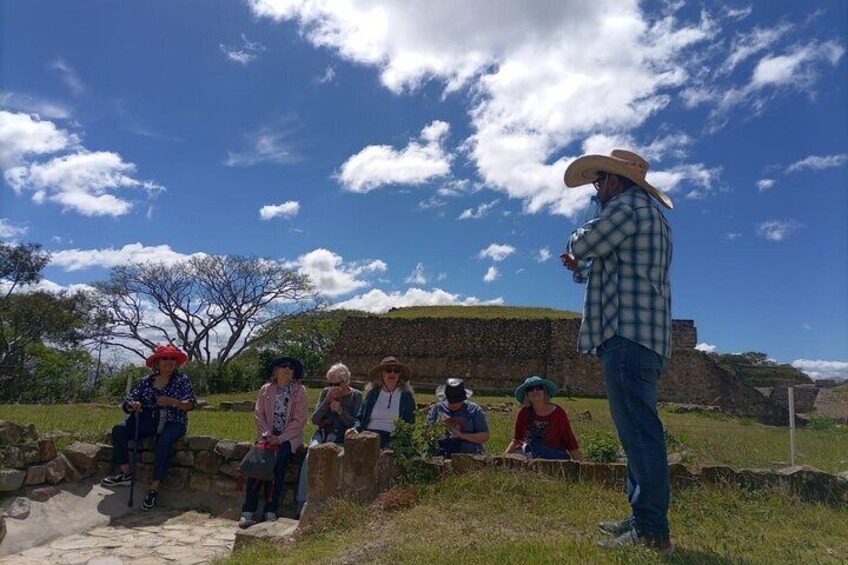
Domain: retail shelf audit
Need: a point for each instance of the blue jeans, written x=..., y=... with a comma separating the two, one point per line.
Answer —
x=253, y=486
x=631, y=372
x=124, y=432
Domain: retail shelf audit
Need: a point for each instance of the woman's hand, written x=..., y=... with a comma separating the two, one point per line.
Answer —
x=336, y=406
x=133, y=406
x=349, y=432
x=167, y=401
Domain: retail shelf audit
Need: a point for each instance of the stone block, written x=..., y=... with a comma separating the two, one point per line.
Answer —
x=144, y=472
x=11, y=479
x=55, y=470
x=273, y=533
x=201, y=443
x=184, y=458
x=755, y=479
x=360, y=477
x=181, y=444
x=176, y=479
x=43, y=494
x=36, y=475
x=439, y=466
x=224, y=486
x=230, y=468
x=11, y=433
x=718, y=474
x=231, y=450
x=508, y=461
x=465, y=462
x=103, y=469
x=680, y=476
x=612, y=475
x=207, y=461
x=324, y=471
x=12, y=457
x=84, y=456
x=813, y=485
x=225, y=406
x=46, y=450
x=19, y=508
x=566, y=470
x=105, y=453
x=388, y=470
x=147, y=457
x=200, y=482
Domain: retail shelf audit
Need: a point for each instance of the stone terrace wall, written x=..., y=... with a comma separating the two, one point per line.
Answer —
x=498, y=354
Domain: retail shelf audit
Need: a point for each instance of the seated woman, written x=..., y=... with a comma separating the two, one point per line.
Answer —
x=280, y=415
x=542, y=429
x=467, y=427
x=335, y=413
x=159, y=402
x=388, y=397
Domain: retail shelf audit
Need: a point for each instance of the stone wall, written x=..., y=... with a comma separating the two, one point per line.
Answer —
x=199, y=463
x=498, y=354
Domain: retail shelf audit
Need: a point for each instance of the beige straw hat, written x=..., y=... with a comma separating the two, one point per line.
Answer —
x=587, y=168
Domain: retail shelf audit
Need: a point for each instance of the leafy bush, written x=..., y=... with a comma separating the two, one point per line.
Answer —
x=674, y=442
x=411, y=444
x=602, y=448
x=821, y=423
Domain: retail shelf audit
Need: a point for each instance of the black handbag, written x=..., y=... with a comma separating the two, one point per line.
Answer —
x=260, y=461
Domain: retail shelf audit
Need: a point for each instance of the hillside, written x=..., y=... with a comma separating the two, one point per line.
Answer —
x=521, y=312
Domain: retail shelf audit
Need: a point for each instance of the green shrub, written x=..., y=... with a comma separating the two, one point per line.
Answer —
x=674, y=442
x=821, y=423
x=602, y=448
x=411, y=444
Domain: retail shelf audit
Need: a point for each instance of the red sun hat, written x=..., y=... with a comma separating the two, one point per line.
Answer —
x=166, y=351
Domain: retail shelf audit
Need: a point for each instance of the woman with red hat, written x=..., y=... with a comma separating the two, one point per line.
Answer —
x=160, y=402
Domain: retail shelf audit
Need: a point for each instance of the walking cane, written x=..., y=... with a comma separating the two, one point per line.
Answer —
x=134, y=465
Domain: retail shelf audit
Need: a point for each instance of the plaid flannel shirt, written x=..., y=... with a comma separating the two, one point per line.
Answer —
x=628, y=292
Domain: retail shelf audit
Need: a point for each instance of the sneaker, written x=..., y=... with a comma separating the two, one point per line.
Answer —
x=119, y=480
x=246, y=520
x=630, y=539
x=270, y=517
x=149, y=500
x=615, y=529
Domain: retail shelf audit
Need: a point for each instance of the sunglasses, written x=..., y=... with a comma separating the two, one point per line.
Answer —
x=339, y=383
x=534, y=388
x=285, y=366
x=392, y=370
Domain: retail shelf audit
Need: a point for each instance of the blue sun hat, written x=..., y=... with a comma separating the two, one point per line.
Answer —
x=549, y=387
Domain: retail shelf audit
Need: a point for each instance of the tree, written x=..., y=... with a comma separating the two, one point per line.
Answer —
x=213, y=307
x=316, y=331
x=20, y=264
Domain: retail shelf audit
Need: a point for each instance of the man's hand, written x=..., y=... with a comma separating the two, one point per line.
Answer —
x=568, y=261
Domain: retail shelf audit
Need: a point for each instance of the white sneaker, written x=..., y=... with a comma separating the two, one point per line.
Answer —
x=270, y=517
x=246, y=520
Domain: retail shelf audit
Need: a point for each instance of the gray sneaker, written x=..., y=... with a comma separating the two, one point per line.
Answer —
x=615, y=529
x=246, y=520
x=631, y=539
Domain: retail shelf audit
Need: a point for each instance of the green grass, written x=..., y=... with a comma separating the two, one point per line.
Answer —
x=498, y=516
x=486, y=312
x=707, y=439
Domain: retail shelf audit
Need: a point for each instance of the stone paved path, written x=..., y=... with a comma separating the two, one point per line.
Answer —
x=157, y=538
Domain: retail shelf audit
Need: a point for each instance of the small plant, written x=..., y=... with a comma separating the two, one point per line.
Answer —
x=398, y=498
x=411, y=445
x=674, y=442
x=603, y=448
x=820, y=423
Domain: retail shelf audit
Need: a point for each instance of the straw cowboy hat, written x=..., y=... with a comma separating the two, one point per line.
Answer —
x=375, y=372
x=166, y=351
x=587, y=168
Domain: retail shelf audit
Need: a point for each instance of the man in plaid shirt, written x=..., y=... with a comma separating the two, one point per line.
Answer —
x=627, y=323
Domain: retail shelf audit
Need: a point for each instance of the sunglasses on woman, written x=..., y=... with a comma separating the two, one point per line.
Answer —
x=534, y=388
x=392, y=370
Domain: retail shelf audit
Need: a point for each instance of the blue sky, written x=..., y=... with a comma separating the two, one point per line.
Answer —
x=412, y=153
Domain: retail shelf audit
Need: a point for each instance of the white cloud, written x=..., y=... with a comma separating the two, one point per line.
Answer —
x=820, y=369
x=9, y=230
x=69, y=76
x=268, y=144
x=417, y=275
x=245, y=54
x=818, y=162
x=331, y=276
x=491, y=274
x=496, y=252
x=378, y=301
x=705, y=347
x=543, y=255
x=481, y=212
x=430, y=203
x=441, y=276
x=749, y=44
x=287, y=209
x=380, y=165
x=31, y=105
x=777, y=230
x=45, y=285
x=22, y=136
x=328, y=76
x=765, y=184
x=732, y=235
x=81, y=182
x=79, y=259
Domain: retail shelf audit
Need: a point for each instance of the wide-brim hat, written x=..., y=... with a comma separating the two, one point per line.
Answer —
x=375, y=372
x=453, y=391
x=166, y=351
x=297, y=366
x=550, y=387
x=587, y=168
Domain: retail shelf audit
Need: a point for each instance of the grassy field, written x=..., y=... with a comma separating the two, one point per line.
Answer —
x=521, y=312
x=701, y=439
x=505, y=517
